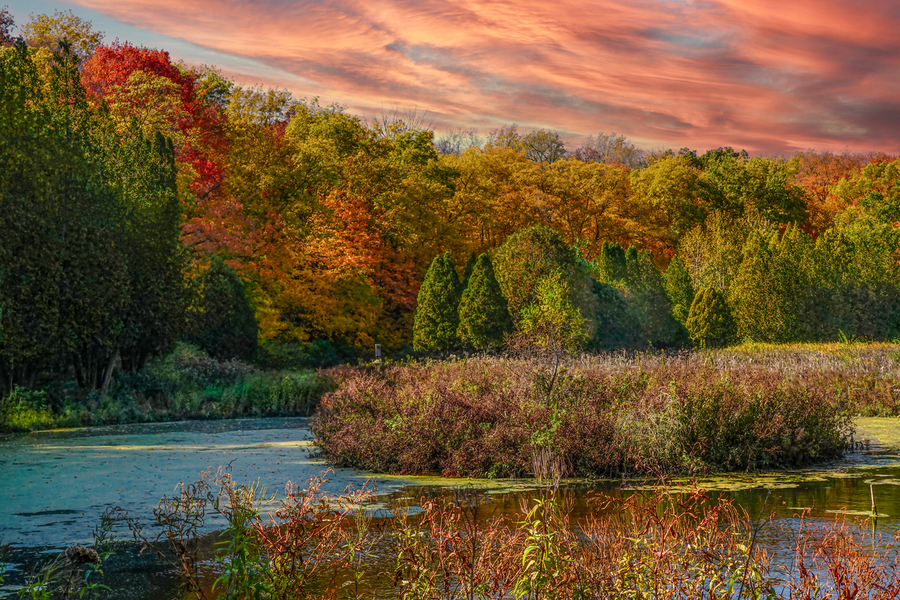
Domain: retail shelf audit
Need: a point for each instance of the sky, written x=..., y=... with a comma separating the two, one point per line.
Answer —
x=768, y=76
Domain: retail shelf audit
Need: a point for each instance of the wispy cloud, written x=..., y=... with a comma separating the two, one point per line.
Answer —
x=766, y=75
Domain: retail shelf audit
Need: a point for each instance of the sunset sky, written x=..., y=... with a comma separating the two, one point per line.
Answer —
x=770, y=76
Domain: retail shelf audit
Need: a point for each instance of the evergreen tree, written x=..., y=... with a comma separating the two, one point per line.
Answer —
x=611, y=263
x=649, y=300
x=679, y=289
x=64, y=277
x=709, y=321
x=483, y=314
x=437, y=316
x=155, y=316
x=750, y=294
x=470, y=266
x=617, y=325
x=793, y=289
x=771, y=293
x=225, y=324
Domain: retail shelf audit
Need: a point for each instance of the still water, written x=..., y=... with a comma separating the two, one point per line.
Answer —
x=55, y=485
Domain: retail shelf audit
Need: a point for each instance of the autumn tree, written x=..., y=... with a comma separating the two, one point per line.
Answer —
x=44, y=31
x=675, y=189
x=612, y=149
x=7, y=23
x=816, y=173
x=543, y=147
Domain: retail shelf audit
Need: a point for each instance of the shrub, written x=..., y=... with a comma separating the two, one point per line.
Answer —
x=273, y=354
x=608, y=417
x=26, y=410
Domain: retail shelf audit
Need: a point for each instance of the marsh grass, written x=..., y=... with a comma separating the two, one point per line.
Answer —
x=607, y=415
x=186, y=384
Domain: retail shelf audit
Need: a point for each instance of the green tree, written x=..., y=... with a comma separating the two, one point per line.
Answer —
x=527, y=257
x=64, y=279
x=484, y=319
x=649, y=300
x=770, y=296
x=617, y=324
x=154, y=317
x=223, y=323
x=712, y=252
x=611, y=264
x=437, y=309
x=853, y=273
x=709, y=322
x=679, y=288
x=674, y=188
x=552, y=323
x=752, y=289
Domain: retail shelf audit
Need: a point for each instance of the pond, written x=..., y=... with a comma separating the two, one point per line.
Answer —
x=58, y=483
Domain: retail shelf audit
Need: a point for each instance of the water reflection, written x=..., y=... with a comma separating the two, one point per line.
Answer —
x=58, y=483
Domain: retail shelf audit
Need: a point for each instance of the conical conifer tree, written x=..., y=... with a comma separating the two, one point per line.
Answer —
x=679, y=289
x=753, y=294
x=709, y=321
x=650, y=301
x=470, y=265
x=437, y=318
x=483, y=313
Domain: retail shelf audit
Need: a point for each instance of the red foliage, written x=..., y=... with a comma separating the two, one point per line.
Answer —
x=112, y=65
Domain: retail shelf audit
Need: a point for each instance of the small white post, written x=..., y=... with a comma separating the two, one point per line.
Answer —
x=377, y=350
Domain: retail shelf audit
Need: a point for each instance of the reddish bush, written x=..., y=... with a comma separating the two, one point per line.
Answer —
x=596, y=417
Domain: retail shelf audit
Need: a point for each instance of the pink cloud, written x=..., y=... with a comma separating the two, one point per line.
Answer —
x=760, y=75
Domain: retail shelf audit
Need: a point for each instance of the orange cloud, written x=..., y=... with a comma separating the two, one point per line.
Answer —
x=765, y=75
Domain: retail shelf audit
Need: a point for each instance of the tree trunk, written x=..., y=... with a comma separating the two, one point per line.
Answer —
x=107, y=375
x=79, y=370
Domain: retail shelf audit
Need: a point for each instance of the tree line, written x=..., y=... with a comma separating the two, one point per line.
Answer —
x=161, y=180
